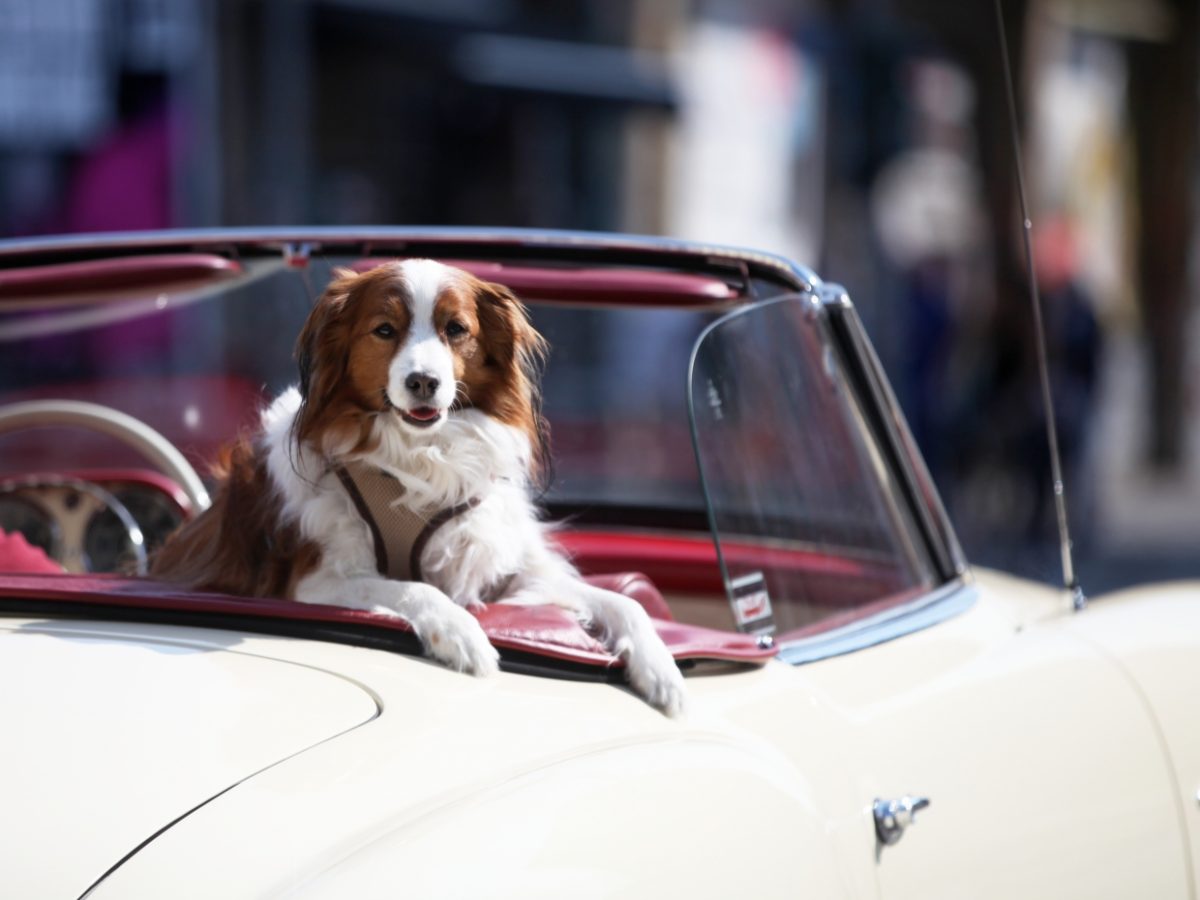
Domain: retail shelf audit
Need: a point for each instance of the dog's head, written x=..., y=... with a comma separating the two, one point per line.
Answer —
x=418, y=341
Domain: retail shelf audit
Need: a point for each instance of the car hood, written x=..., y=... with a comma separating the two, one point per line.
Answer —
x=109, y=737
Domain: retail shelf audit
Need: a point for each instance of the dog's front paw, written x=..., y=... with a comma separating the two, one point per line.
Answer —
x=458, y=640
x=657, y=678
x=453, y=636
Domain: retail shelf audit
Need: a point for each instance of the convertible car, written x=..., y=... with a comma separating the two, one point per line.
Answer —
x=869, y=716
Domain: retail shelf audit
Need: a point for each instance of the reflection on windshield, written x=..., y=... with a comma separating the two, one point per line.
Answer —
x=615, y=394
x=198, y=366
x=803, y=507
x=194, y=365
x=45, y=316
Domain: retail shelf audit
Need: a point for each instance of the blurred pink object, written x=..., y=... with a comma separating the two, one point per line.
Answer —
x=17, y=555
x=125, y=184
x=1057, y=256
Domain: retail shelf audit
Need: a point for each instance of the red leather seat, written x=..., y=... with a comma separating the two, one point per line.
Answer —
x=638, y=587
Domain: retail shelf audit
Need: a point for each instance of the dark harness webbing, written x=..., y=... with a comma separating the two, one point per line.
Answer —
x=399, y=532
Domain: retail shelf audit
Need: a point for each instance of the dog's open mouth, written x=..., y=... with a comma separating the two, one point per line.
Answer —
x=421, y=417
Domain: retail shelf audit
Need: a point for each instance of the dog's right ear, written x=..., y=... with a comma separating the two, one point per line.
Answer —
x=316, y=331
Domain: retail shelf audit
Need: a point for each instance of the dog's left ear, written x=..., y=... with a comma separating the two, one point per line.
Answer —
x=512, y=339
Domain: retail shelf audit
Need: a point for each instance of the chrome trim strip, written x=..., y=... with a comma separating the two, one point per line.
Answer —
x=930, y=511
x=943, y=603
x=893, y=817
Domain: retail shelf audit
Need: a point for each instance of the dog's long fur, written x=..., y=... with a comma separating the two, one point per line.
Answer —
x=281, y=525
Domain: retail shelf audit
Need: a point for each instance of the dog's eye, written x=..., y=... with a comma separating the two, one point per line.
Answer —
x=385, y=330
x=454, y=328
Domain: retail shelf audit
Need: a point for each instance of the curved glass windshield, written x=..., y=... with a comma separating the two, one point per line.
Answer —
x=809, y=523
x=197, y=365
x=614, y=394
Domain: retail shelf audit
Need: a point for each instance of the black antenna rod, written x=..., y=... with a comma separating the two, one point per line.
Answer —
x=1070, y=582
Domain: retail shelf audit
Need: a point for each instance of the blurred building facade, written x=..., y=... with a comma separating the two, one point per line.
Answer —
x=864, y=138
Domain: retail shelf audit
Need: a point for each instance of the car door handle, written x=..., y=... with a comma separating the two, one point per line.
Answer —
x=893, y=816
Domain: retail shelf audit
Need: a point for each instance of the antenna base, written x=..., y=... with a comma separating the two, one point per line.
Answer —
x=1079, y=600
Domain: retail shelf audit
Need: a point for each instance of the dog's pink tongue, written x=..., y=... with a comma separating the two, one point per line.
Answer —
x=423, y=413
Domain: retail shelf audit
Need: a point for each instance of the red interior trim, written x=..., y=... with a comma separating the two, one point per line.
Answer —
x=673, y=563
x=592, y=285
x=689, y=564
x=544, y=630
x=98, y=276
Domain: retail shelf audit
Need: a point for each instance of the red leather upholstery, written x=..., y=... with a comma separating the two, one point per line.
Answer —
x=17, y=555
x=628, y=287
x=152, y=274
x=637, y=586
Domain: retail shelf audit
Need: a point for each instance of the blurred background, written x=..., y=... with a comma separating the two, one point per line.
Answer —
x=867, y=139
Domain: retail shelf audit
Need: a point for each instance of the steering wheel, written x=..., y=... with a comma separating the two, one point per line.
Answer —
x=130, y=431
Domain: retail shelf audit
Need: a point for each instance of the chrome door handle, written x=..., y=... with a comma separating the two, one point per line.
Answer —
x=893, y=816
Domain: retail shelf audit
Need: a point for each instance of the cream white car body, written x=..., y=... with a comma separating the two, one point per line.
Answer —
x=1060, y=751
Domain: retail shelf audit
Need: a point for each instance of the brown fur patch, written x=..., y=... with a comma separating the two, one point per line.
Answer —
x=344, y=363
x=239, y=545
x=501, y=363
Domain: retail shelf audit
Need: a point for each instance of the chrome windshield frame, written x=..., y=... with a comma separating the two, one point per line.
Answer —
x=911, y=469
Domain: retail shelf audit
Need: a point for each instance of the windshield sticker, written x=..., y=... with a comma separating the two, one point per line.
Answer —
x=752, y=604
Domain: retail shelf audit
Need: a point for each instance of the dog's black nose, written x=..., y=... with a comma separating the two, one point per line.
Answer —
x=421, y=386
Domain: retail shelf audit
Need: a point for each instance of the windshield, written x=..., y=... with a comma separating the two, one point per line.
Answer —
x=811, y=530
x=615, y=395
x=197, y=365
x=806, y=514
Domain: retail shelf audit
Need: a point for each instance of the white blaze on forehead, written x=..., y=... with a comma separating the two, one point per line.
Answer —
x=423, y=351
x=425, y=279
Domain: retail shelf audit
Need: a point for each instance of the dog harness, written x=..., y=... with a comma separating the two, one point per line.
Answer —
x=399, y=532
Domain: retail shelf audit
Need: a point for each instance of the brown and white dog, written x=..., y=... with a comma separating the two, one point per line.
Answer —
x=424, y=377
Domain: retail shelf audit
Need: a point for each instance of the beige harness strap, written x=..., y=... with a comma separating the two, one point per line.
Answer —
x=399, y=532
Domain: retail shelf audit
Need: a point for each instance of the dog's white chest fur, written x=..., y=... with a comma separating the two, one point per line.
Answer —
x=471, y=457
x=472, y=556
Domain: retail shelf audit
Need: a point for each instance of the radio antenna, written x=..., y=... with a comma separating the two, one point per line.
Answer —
x=1070, y=582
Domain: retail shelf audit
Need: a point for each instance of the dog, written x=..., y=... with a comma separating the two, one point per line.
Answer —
x=398, y=477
